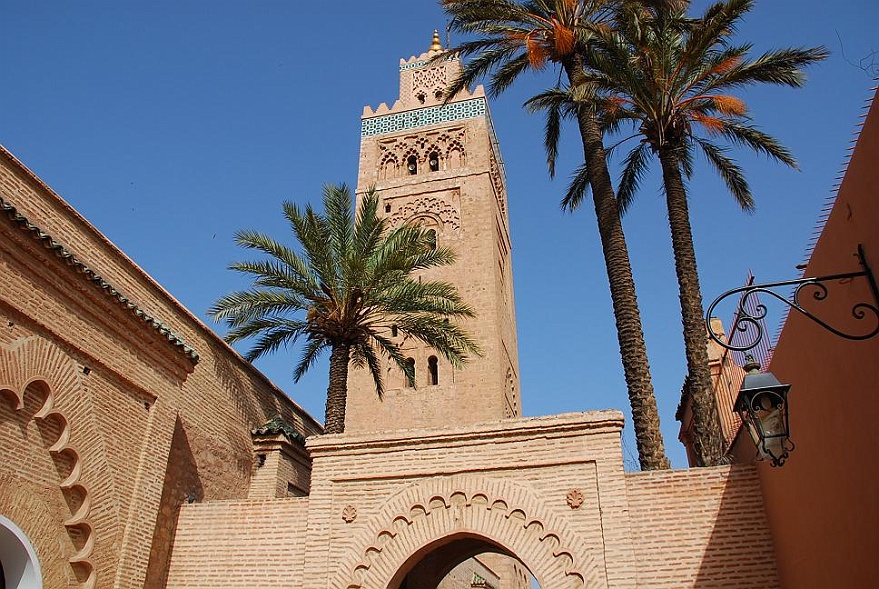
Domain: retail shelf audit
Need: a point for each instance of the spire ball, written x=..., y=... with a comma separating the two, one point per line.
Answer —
x=435, y=44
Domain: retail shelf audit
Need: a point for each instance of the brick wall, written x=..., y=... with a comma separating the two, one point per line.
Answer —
x=701, y=528
x=121, y=396
x=549, y=490
x=246, y=544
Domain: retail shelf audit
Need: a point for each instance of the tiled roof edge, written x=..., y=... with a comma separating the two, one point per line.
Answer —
x=90, y=275
x=277, y=425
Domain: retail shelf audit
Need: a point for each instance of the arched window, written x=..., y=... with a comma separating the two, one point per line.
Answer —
x=455, y=157
x=18, y=559
x=432, y=371
x=394, y=330
x=412, y=165
x=433, y=161
x=431, y=238
x=411, y=363
x=389, y=168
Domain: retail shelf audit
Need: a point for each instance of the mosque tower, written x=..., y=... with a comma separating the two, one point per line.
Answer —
x=440, y=166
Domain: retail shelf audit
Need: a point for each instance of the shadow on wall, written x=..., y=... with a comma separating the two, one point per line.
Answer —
x=253, y=398
x=739, y=551
x=182, y=484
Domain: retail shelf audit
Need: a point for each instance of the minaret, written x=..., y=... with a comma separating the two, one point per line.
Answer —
x=440, y=166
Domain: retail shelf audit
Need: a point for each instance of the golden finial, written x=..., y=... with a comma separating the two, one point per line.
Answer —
x=436, y=45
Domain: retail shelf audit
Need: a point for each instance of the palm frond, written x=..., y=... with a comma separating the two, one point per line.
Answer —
x=352, y=277
x=634, y=167
x=362, y=353
x=578, y=189
x=782, y=67
x=556, y=102
x=729, y=171
x=314, y=347
x=759, y=141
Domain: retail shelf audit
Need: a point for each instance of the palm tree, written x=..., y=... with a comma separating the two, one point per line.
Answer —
x=515, y=37
x=670, y=77
x=351, y=283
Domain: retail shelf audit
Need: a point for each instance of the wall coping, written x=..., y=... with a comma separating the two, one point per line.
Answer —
x=594, y=422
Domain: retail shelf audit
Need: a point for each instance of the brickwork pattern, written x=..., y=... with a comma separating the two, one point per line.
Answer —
x=181, y=485
x=378, y=501
x=702, y=528
x=282, y=469
x=37, y=510
x=57, y=408
x=246, y=544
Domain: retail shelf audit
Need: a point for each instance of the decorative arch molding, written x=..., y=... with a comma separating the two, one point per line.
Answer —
x=502, y=512
x=33, y=362
x=435, y=207
x=448, y=145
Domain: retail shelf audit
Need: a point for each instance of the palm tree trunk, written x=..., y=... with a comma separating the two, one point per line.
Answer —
x=707, y=445
x=633, y=351
x=337, y=391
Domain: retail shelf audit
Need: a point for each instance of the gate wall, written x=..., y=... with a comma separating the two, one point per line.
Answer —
x=550, y=490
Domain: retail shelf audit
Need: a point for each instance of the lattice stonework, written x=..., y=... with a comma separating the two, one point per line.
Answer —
x=429, y=79
x=422, y=117
x=497, y=183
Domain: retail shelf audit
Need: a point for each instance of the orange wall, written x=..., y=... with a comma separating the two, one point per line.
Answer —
x=823, y=505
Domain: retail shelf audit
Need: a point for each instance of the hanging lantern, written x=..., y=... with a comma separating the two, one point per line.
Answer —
x=762, y=405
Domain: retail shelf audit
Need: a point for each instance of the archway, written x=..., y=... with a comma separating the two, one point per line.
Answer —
x=504, y=518
x=462, y=561
x=19, y=565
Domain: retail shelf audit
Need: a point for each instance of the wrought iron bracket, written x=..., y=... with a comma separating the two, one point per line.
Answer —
x=750, y=322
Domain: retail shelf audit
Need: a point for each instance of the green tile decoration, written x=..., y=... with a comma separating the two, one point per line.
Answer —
x=422, y=117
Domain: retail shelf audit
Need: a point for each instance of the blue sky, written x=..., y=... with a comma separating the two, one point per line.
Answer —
x=169, y=125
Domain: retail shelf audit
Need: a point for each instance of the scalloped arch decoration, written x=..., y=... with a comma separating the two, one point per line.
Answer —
x=502, y=512
x=428, y=206
x=34, y=360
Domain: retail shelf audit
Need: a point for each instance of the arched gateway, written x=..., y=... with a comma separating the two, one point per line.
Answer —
x=463, y=516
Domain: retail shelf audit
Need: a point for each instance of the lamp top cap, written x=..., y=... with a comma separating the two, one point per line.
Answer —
x=751, y=365
x=761, y=381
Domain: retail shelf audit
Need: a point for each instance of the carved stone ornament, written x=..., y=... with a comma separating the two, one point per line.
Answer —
x=574, y=498
x=349, y=514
